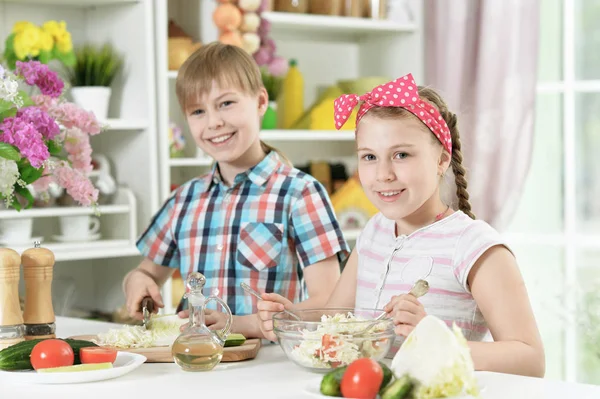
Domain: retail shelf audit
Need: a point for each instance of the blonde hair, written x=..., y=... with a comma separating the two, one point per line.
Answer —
x=458, y=169
x=228, y=66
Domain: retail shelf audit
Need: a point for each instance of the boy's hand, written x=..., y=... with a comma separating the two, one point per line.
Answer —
x=271, y=304
x=138, y=286
x=406, y=311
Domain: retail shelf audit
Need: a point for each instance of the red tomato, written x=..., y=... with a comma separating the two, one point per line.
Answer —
x=51, y=353
x=95, y=354
x=362, y=379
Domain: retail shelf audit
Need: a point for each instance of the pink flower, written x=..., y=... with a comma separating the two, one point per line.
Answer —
x=70, y=115
x=46, y=103
x=43, y=183
x=77, y=144
x=263, y=56
x=22, y=134
x=38, y=74
x=41, y=120
x=264, y=28
x=77, y=184
x=263, y=6
x=278, y=67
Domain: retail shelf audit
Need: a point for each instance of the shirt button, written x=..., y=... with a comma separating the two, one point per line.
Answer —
x=220, y=247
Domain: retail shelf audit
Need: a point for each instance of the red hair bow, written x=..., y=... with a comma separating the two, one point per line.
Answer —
x=402, y=93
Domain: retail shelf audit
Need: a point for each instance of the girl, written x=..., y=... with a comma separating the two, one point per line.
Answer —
x=253, y=218
x=407, y=139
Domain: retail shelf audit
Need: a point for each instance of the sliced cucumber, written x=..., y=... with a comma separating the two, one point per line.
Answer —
x=77, y=367
x=235, y=340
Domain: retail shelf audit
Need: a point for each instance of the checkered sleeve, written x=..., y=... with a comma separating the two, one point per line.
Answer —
x=314, y=227
x=158, y=243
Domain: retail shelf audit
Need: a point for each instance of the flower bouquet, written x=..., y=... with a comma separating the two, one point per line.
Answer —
x=29, y=42
x=43, y=139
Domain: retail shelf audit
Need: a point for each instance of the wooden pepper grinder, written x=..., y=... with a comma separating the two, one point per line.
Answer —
x=39, y=317
x=12, y=330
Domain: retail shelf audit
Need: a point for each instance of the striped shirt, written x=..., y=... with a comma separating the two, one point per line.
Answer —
x=263, y=230
x=444, y=251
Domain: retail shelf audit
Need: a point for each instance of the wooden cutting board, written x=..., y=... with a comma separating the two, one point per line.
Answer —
x=162, y=354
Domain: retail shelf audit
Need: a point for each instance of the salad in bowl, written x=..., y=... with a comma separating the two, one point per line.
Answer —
x=333, y=337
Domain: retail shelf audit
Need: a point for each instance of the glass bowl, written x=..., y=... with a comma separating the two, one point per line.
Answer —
x=328, y=338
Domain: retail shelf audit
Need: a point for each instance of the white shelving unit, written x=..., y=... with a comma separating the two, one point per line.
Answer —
x=96, y=268
x=125, y=124
x=328, y=25
x=328, y=50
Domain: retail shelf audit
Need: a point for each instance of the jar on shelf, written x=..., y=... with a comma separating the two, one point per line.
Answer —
x=297, y=6
x=353, y=8
x=375, y=9
x=331, y=7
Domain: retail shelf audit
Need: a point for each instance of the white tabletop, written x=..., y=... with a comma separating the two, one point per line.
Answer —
x=270, y=375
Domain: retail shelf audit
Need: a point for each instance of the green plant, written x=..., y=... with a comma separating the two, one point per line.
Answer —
x=95, y=66
x=272, y=83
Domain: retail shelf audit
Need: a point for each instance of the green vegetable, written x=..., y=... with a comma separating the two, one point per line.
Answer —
x=235, y=340
x=16, y=357
x=387, y=377
x=399, y=389
x=330, y=384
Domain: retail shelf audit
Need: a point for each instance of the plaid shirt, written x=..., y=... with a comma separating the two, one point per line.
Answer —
x=264, y=230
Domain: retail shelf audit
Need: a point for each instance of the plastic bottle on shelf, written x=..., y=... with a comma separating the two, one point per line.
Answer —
x=291, y=105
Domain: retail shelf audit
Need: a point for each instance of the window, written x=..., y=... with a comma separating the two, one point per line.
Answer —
x=556, y=230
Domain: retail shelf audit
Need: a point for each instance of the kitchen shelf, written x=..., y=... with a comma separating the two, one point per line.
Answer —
x=174, y=162
x=307, y=135
x=124, y=124
x=63, y=211
x=72, y=3
x=87, y=250
x=323, y=25
x=124, y=204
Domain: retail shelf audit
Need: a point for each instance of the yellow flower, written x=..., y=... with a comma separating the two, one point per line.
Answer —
x=56, y=29
x=27, y=43
x=46, y=41
x=20, y=26
x=64, y=42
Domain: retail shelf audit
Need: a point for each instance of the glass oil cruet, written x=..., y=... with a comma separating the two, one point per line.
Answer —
x=198, y=348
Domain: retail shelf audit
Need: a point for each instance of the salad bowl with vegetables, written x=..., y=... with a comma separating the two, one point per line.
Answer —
x=328, y=338
x=434, y=362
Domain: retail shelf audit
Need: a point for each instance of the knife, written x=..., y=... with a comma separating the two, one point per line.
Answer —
x=147, y=310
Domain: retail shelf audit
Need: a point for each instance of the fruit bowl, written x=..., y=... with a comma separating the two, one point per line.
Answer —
x=328, y=338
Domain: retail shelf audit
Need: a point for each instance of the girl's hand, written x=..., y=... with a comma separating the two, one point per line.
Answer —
x=406, y=311
x=271, y=303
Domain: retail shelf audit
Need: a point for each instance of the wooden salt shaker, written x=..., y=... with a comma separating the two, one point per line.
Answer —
x=12, y=330
x=38, y=316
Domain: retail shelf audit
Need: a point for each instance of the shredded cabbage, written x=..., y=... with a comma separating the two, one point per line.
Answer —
x=438, y=359
x=162, y=331
x=333, y=343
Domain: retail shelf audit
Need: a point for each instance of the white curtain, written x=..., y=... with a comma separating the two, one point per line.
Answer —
x=482, y=56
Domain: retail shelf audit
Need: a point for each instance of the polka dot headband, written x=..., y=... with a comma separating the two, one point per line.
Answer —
x=401, y=93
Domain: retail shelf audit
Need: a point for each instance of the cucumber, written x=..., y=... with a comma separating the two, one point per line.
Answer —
x=330, y=384
x=387, y=377
x=16, y=357
x=235, y=340
x=399, y=389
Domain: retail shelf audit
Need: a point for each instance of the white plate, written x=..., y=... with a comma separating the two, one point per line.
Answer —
x=26, y=242
x=314, y=389
x=61, y=238
x=125, y=363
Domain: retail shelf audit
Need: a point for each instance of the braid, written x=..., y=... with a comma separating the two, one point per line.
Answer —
x=457, y=168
